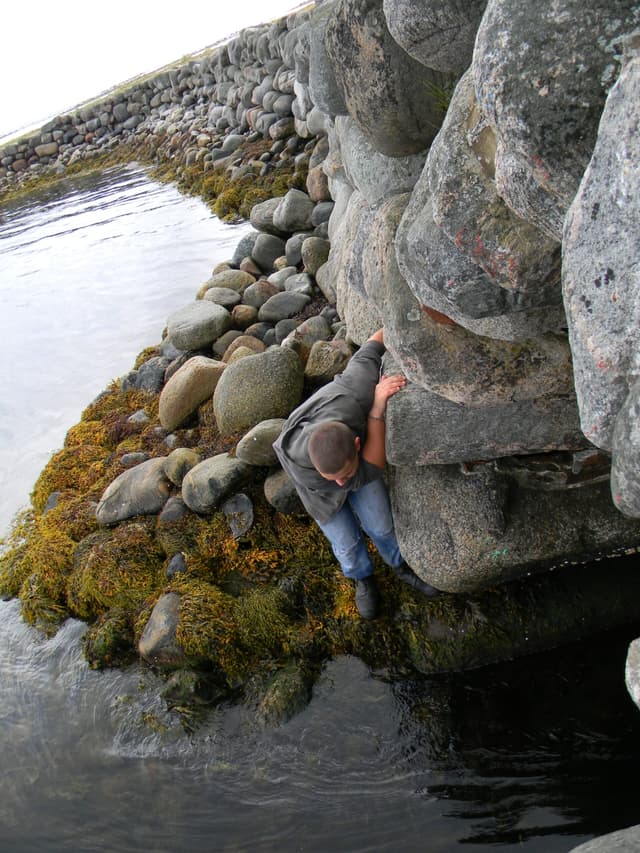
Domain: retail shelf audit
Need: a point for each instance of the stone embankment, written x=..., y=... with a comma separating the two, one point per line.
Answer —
x=465, y=178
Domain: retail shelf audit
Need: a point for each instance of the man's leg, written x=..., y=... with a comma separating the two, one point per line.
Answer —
x=372, y=507
x=344, y=534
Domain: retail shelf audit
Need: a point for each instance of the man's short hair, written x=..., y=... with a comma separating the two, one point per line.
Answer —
x=331, y=446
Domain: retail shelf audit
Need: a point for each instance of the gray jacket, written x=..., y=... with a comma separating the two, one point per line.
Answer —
x=348, y=398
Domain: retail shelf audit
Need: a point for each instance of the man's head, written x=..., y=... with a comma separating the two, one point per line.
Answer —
x=333, y=450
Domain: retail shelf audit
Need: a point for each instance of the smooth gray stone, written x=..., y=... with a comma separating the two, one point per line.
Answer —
x=197, y=325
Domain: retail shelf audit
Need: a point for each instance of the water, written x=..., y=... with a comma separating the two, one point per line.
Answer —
x=88, y=276
x=535, y=755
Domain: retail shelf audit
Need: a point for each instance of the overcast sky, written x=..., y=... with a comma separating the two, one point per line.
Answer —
x=56, y=55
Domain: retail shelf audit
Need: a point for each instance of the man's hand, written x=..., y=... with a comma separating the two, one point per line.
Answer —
x=386, y=387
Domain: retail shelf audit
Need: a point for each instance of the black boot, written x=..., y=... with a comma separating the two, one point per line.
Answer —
x=408, y=576
x=367, y=597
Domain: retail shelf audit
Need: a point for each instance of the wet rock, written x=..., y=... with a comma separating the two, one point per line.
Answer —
x=178, y=462
x=238, y=511
x=281, y=493
x=158, y=644
x=206, y=485
x=461, y=534
x=149, y=376
x=193, y=383
x=142, y=490
x=287, y=693
x=174, y=510
x=176, y=566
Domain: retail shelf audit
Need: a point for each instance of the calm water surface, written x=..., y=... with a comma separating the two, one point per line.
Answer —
x=536, y=755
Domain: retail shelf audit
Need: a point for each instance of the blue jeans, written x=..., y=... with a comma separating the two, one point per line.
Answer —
x=370, y=509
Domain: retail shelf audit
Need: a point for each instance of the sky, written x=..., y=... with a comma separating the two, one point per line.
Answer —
x=53, y=56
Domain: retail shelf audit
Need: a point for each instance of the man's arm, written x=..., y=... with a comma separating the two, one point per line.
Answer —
x=374, y=447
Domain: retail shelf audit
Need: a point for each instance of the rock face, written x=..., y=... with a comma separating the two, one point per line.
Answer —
x=601, y=279
x=391, y=97
x=437, y=33
x=542, y=82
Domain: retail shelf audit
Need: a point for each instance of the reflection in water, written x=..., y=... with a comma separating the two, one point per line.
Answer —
x=543, y=746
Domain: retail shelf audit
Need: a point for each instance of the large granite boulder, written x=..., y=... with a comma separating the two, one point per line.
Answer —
x=622, y=841
x=601, y=278
x=541, y=73
x=393, y=99
x=443, y=277
x=632, y=671
x=464, y=532
x=513, y=253
x=449, y=360
x=141, y=490
x=424, y=428
x=158, y=644
x=323, y=87
x=437, y=33
x=257, y=388
x=372, y=173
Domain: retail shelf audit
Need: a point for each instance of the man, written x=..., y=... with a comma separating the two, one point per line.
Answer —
x=333, y=448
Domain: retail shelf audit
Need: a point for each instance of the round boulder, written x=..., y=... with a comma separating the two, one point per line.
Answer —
x=251, y=390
